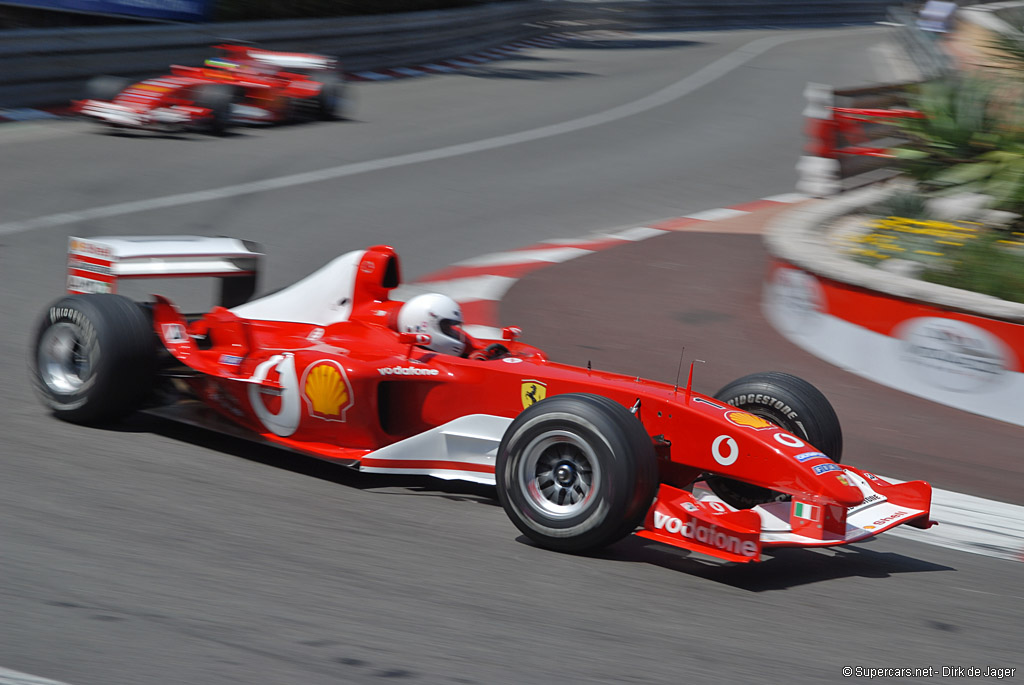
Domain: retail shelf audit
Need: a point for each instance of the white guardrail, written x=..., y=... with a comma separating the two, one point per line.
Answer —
x=49, y=66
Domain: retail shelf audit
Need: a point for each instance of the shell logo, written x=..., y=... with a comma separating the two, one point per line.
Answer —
x=326, y=390
x=742, y=418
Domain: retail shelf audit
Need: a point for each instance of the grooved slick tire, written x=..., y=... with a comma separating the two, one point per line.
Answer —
x=791, y=403
x=218, y=98
x=105, y=87
x=576, y=472
x=332, y=101
x=94, y=357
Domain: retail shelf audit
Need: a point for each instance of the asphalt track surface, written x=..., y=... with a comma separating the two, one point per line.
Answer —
x=149, y=553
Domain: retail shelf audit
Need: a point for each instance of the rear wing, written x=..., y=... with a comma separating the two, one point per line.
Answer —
x=291, y=61
x=96, y=265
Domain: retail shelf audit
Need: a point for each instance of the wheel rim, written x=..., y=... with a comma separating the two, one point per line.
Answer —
x=559, y=473
x=65, y=358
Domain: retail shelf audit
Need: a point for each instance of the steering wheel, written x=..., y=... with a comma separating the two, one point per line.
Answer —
x=492, y=351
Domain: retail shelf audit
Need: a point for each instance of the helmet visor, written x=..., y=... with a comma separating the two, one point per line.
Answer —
x=452, y=328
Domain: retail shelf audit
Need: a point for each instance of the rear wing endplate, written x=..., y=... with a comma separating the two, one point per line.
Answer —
x=95, y=265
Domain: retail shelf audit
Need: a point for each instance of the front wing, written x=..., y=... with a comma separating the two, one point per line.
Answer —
x=466, y=449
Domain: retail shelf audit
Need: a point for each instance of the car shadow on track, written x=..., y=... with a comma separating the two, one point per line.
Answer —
x=626, y=44
x=781, y=569
x=495, y=72
x=192, y=136
x=269, y=455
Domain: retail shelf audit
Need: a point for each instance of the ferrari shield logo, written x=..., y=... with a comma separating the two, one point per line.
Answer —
x=533, y=392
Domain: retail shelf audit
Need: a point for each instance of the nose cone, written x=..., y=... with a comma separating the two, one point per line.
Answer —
x=830, y=482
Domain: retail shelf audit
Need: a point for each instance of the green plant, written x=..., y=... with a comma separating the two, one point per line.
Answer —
x=989, y=265
x=909, y=204
x=971, y=139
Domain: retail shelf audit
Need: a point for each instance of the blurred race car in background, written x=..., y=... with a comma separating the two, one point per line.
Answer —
x=242, y=85
x=332, y=367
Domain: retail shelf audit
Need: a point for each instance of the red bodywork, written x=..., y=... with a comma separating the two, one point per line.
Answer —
x=343, y=391
x=264, y=91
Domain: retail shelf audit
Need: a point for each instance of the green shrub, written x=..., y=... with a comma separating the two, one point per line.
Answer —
x=989, y=265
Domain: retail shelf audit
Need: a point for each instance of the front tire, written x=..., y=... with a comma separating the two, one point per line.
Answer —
x=218, y=98
x=789, y=402
x=576, y=472
x=332, y=101
x=94, y=357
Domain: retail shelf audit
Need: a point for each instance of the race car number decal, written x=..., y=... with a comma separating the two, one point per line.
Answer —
x=731, y=448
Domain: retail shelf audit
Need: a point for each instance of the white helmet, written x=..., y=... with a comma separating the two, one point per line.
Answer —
x=439, y=317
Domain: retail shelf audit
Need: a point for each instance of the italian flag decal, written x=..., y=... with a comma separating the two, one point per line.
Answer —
x=806, y=511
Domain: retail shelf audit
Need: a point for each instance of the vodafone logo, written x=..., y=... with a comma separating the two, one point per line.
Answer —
x=407, y=371
x=725, y=450
x=704, y=534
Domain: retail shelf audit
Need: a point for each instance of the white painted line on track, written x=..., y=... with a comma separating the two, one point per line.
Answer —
x=670, y=93
x=554, y=256
x=971, y=524
x=9, y=677
x=483, y=332
x=786, y=198
x=637, y=233
x=462, y=290
x=716, y=214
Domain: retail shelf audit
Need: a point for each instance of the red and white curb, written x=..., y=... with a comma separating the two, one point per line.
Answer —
x=466, y=61
x=479, y=284
x=966, y=523
x=31, y=114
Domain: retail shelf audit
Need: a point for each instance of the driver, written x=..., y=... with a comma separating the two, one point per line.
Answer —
x=440, y=317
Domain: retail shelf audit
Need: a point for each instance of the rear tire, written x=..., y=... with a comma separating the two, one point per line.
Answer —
x=94, y=357
x=576, y=472
x=105, y=87
x=791, y=403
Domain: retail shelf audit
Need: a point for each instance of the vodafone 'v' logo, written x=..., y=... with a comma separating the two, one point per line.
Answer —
x=285, y=421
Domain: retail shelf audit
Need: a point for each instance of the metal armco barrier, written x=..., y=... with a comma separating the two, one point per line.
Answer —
x=45, y=67
x=850, y=132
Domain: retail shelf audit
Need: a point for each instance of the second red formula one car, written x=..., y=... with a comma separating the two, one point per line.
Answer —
x=243, y=85
x=333, y=367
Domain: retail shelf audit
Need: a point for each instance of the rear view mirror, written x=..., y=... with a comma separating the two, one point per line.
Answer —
x=414, y=338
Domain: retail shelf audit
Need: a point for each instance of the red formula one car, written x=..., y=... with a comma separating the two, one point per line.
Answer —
x=332, y=367
x=244, y=85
